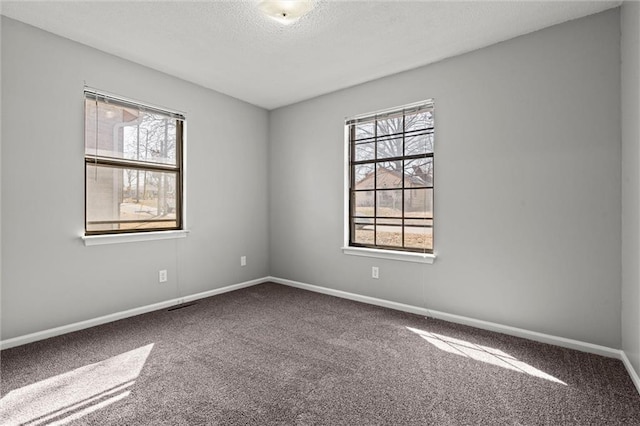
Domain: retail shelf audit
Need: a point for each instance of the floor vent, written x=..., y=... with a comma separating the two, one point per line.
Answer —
x=185, y=305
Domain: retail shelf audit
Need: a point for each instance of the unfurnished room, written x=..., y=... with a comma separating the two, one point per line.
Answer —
x=319, y=212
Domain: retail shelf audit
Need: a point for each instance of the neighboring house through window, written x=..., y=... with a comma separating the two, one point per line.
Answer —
x=391, y=179
x=133, y=166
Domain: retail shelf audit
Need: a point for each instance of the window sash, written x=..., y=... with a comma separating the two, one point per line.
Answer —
x=173, y=223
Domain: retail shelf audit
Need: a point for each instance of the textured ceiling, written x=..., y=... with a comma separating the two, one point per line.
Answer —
x=229, y=46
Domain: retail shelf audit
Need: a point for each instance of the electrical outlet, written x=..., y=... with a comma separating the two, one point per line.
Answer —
x=243, y=260
x=162, y=276
x=374, y=272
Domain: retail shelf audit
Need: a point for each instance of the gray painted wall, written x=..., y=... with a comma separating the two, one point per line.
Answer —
x=49, y=278
x=1, y=175
x=528, y=192
x=631, y=182
x=528, y=200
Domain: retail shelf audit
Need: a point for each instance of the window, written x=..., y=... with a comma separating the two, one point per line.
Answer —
x=391, y=179
x=133, y=166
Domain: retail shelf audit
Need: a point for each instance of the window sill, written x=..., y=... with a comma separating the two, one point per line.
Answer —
x=390, y=254
x=96, y=240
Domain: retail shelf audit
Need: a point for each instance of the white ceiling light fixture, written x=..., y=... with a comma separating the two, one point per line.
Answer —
x=286, y=11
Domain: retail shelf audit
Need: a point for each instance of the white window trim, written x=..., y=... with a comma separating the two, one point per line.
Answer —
x=97, y=240
x=406, y=256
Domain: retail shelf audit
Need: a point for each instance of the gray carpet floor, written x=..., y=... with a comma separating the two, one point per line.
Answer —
x=271, y=354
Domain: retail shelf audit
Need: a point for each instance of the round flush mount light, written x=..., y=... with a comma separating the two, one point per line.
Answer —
x=286, y=11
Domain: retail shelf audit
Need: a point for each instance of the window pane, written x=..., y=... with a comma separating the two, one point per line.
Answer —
x=419, y=144
x=418, y=203
x=419, y=121
x=364, y=203
x=389, y=203
x=389, y=147
x=365, y=130
x=409, y=221
x=363, y=222
x=364, y=177
x=362, y=230
x=385, y=221
x=420, y=238
x=389, y=174
x=129, y=133
x=363, y=236
x=125, y=198
x=390, y=126
x=389, y=235
x=418, y=172
x=365, y=151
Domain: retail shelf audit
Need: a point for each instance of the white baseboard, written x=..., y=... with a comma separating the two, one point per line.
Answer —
x=52, y=332
x=485, y=325
x=632, y=372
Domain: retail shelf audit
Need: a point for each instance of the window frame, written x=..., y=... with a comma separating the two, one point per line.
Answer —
x=415, y=254
x=115, y=235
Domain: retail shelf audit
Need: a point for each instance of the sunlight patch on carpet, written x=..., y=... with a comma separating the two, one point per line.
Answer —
x=482, y=353
x=69, y=396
